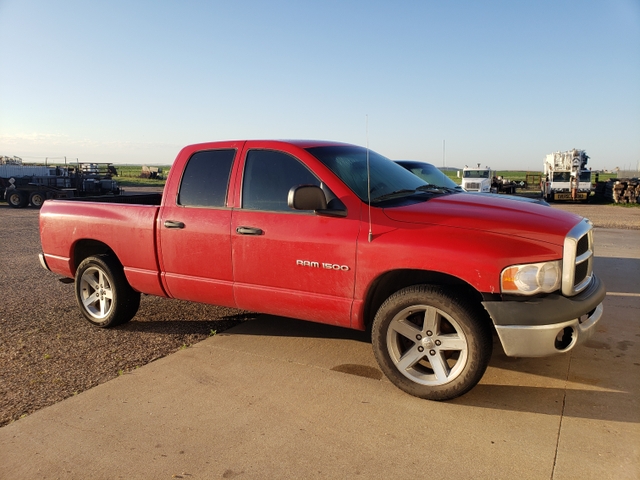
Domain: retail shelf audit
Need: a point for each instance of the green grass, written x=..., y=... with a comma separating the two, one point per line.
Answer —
x=129, y=176
x=135, y=170
x=512, y=175
x=139, y=182
x=521, y=175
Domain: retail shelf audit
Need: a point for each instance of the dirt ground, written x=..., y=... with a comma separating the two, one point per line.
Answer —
x=605, y=216
x=48, y=352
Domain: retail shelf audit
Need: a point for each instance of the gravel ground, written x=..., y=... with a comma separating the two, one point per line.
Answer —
x=48, y=352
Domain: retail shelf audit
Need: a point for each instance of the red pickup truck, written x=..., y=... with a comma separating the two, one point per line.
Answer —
x=338, y=234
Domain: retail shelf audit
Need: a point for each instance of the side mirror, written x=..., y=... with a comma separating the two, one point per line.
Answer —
x=307, y=197
x=311, y=197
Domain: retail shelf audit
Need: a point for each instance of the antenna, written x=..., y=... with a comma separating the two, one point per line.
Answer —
x=369, y=183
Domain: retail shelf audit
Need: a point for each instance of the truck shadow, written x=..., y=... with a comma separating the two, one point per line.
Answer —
x=579, y=384
x=573, y=403
x=270, y=325
x=185, y=326
x=591, y=396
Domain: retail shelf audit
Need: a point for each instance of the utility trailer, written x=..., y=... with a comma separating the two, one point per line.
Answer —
x=23, y=185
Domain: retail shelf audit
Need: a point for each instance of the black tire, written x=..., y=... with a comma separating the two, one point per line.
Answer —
x=16, y=198
x=103, y=294
x=37, y=198
x=431, y=345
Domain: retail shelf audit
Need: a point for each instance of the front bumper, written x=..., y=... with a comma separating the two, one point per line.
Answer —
x=547, y=325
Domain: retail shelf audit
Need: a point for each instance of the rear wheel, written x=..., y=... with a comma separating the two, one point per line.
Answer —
x=36, y=199
x=16, y=198
x=431, y=345
x=103, y=294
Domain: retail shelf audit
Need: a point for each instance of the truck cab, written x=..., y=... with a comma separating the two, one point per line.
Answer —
x=477, y=179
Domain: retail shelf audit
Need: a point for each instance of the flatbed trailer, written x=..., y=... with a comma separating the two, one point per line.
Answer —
x=31, y=185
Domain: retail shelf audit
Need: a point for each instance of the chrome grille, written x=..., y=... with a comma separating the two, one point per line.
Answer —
x=577, y=260
x=583, y=245
x=582, y=272
x=473, y=186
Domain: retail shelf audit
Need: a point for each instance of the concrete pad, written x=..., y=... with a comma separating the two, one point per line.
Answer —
x=262, y=407
x=601, y=420
x=280, y=398
x=600, y=434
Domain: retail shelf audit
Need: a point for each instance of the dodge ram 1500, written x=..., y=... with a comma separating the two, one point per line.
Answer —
x=338, y=234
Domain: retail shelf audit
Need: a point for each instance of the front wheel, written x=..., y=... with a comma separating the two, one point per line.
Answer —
x=431, y=345
x=103, y=294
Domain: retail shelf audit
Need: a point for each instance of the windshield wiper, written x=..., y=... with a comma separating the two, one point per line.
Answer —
x=397, y=194
x=430, y=188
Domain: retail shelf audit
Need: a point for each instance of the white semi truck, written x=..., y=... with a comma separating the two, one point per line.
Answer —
x=477, y=179
x=566, y=177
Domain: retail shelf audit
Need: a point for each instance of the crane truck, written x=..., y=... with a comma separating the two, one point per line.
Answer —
x=566, y=176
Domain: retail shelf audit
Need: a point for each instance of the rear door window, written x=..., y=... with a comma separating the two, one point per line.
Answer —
x=206, y=179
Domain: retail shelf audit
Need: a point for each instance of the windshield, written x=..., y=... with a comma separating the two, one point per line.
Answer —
x=428, y=173
x=475, y=173
x=349, y=163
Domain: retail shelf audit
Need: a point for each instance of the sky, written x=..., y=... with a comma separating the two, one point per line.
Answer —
x=501, y=83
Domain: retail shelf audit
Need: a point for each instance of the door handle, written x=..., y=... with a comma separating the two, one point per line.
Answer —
x=249, y=231
x=173, y=224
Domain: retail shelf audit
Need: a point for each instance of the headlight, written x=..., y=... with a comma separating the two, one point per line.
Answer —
x=532, y=278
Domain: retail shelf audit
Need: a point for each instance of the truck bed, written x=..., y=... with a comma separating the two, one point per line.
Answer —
x=128, y=230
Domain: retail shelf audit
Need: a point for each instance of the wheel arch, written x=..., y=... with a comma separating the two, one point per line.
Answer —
x=390, y=282
x=87, y=248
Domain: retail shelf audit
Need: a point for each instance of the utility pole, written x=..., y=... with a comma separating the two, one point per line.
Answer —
x=444, y=162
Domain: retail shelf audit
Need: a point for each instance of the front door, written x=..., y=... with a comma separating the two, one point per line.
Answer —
x=286, y=262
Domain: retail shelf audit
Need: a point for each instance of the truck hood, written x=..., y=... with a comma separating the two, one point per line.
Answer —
x=491, y=213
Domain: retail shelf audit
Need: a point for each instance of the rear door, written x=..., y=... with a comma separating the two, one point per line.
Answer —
x=195, y=244
x=287, y=262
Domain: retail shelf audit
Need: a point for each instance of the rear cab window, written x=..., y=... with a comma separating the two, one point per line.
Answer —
x=206, y=179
